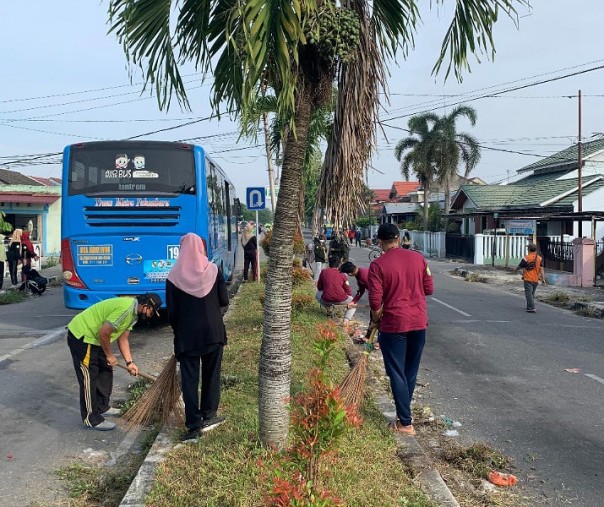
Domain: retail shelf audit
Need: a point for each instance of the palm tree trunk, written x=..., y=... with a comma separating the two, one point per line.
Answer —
x=426, y=206
x=275, y=353
x=447, y=199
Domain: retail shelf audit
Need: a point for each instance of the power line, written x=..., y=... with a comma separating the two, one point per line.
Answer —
x=521, y=87
x=93, y=90
x=540, y=155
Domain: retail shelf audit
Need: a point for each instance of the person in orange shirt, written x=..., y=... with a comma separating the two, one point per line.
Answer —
x=532, y=274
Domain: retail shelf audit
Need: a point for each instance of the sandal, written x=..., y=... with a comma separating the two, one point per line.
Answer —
x=397, y=427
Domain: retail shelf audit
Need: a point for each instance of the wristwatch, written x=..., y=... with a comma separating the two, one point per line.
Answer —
x=128, y=363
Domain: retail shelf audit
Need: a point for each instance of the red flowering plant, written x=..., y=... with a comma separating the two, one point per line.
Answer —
x=319, y=418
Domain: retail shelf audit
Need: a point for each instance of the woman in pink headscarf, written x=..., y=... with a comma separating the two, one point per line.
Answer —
x=195, y=292
x=14, y=254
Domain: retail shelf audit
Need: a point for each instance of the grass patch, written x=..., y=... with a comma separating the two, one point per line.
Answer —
x=475, y=277
x=100, y=486
x=12, y=296
x=222, y=468
x=50, y=262
x=478, y=459
x=135, y=391
x=589, y=311
x=557, y=297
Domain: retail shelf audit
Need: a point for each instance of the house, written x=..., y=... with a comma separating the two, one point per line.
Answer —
x=400, y=190
x=547, y=190
x=398, y=212
x=29, y=203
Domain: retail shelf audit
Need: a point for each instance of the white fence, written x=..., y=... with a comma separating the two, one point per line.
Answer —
x=431, y=244
x=509, y=250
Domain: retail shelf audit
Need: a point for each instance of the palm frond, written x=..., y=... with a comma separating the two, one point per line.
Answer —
x=471, y=31
x=395, y=22
x=143, y=29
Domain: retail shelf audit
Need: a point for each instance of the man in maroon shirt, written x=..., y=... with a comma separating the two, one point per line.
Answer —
x=399, y=281
x=334, y=289
x=361, y=275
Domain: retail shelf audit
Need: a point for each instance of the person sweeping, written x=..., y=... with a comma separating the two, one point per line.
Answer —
x=89, y=337
x=399, y=281
x=195, y=293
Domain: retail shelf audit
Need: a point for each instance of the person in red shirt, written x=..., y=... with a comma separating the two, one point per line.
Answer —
x=360, y=274
x=399, y=281
x=334, y=289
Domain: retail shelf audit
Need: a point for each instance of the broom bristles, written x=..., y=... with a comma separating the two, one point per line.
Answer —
x=353, y=386
x=159, y=400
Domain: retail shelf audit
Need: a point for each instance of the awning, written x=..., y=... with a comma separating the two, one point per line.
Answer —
x=28, y=198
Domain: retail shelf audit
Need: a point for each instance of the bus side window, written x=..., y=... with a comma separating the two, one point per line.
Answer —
x=228, y=213
x=211, y=204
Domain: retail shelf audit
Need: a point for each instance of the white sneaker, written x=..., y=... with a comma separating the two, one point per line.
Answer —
x=112, y=412
x=104, y=426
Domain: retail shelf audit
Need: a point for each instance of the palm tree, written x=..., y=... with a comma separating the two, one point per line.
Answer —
x=417, y=153
x=298, y=49
x=454, y=147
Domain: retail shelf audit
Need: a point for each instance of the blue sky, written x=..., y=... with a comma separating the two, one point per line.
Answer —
x=64, y=53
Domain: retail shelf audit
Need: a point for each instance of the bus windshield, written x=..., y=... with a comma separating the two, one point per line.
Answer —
x=123, y=168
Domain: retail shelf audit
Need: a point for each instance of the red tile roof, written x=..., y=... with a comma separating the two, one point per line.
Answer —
x=381, y=194
x=402, y=188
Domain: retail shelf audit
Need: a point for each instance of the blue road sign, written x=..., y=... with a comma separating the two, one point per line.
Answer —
x=255, y=198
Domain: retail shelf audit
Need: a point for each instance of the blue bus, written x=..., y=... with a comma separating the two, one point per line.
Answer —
x=125, y=206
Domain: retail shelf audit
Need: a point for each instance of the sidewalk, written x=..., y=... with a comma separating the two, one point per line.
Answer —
x=588, y=301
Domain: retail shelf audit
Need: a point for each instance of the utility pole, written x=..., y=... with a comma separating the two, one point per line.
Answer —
x=269, y=156
x=580, y=182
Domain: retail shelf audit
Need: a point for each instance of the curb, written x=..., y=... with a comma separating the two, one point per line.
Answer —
x=142, y=482
x=409, y=450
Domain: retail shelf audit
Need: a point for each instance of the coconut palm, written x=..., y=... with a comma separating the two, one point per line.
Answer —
x=297, y=49
x=454, y=147
x=418, y=152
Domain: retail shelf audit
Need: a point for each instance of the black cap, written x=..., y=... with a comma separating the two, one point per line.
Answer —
x=153, y=300
x=388, y=232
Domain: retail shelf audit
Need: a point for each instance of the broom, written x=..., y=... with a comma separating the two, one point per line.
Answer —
x=159, y=400
x=353, y=386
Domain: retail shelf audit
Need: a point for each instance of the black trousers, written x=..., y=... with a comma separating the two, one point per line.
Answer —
x=249, y=257
x=95, y=377
x=197, y=409
x=1, y=271
x=12, y=269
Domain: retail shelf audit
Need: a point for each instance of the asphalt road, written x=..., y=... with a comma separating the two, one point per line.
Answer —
x=491, y=366
x=40, y=425
x=501, y=372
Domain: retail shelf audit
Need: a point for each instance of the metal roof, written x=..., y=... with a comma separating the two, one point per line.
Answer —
x=397, y=208
x=567, y=157
x=530, y=192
